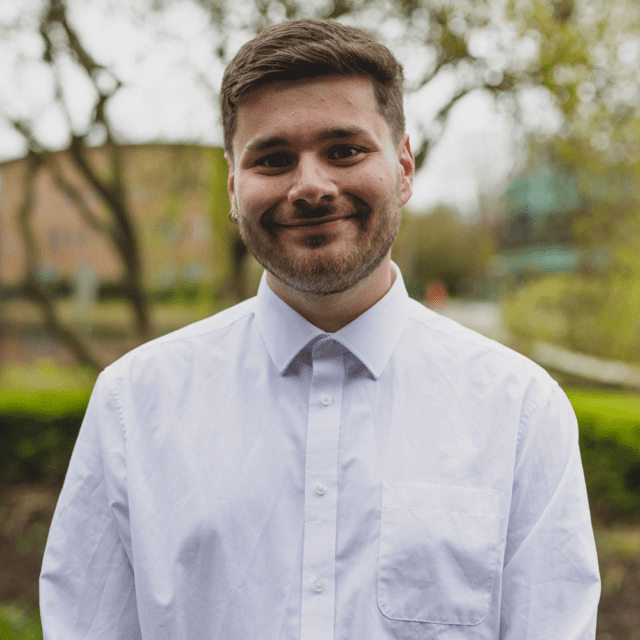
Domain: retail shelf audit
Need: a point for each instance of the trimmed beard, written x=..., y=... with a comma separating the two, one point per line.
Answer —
x=326, y=274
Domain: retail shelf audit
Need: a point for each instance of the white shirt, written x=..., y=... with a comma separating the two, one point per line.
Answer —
x=250, y=476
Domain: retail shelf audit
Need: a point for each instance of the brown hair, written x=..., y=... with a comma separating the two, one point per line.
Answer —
x=309, y=48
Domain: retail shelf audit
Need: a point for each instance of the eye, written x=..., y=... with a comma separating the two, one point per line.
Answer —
x=274, y=161
x=343, y=152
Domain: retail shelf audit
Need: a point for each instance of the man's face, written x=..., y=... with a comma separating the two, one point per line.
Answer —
x=317, y=182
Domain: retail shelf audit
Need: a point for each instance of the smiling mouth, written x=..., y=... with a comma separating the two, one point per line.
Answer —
x=315, y=223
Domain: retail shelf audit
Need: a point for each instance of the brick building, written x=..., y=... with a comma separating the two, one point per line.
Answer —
x=169, y=193
x=172, y=191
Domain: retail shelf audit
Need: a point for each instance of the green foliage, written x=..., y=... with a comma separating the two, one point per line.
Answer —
x=597, y=314
x=19, y=623
x=609, y=414
x=41, y=409
x=218, y=207
x=38, y=433
x=610, y=446
x=439, y=246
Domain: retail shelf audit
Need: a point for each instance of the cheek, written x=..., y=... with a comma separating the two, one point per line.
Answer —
x=256, y=195
x=374, y=186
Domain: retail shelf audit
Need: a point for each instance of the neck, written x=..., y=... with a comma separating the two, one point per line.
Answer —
x=334, y=311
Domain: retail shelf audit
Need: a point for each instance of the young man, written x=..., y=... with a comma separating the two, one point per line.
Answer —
x=329, y=459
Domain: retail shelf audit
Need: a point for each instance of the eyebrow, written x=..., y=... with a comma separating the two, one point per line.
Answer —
x=343, y=132
x=338, y=133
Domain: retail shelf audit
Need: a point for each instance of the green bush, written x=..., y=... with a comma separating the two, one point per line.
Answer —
x=610, y=445
x=19, y=623
x=38, y=431
x=41, y=409
x=595, y=314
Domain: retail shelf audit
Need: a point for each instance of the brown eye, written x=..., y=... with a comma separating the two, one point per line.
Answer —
x=343, y=152
x=275, y=161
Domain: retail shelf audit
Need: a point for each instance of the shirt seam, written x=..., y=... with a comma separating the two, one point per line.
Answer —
x=526, y=415
x=117, y=400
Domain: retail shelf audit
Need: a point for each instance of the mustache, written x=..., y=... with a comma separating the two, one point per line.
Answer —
x=304, y=212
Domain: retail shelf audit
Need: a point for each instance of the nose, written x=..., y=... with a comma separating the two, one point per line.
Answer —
x=312, y=183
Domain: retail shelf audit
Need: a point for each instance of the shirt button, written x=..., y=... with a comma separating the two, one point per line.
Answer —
x=326, y=399
x=318, y=585
x=321, y=488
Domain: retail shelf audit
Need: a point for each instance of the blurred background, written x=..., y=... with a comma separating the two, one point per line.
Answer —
x=114, y=229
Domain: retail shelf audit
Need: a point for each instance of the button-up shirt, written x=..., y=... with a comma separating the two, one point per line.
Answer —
x=251, y=476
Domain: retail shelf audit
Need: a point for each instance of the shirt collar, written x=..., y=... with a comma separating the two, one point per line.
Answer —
x=371, y=337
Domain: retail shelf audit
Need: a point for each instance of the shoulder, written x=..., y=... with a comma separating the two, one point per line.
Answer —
x=212, y=338
x=475, y=362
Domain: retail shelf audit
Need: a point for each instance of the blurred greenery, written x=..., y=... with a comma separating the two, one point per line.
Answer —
x=41, y=409
x=574, y=59
x=19, y=622
x=588, y=61
x=610, y=446
x=442, y=247
x=595, y=314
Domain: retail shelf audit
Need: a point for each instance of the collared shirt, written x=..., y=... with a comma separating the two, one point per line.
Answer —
x=251, y=476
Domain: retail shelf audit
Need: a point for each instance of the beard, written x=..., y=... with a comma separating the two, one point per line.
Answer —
x=320, y=268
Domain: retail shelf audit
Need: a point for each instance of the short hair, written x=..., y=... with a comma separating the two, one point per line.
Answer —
x=311, y=48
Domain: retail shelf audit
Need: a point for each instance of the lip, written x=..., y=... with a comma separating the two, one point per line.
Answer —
x=322, y=222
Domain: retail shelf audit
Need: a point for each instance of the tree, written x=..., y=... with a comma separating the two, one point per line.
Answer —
x=62, y=46
x=450, y=49
x=588, y=62
x=437, y=41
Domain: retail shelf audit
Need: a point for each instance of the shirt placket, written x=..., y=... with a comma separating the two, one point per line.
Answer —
x=321, y=478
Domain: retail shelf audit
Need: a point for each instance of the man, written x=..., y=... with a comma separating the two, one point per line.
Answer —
x=329, y=459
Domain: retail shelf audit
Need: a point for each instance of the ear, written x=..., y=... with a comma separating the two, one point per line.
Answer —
x=408, y=164
x=231, y=179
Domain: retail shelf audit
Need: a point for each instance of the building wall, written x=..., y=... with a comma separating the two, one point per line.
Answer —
x=168, y=190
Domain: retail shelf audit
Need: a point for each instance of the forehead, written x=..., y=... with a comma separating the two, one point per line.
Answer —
x=295, y=110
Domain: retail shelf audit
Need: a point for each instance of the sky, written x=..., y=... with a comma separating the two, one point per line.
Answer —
x=172, y=57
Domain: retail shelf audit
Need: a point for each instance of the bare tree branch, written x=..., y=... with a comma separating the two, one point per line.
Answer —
x=111, y=188
x=57, y=14
x=31, y=286
x=429, y=141
x=75, y=196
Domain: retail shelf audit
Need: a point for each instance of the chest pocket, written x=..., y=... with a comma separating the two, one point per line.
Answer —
x=438, y=552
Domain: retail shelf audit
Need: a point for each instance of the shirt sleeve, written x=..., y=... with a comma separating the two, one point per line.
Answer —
x=87, y=587
x=551, y=582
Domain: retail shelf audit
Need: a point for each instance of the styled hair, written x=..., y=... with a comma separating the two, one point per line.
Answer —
x=311, y=48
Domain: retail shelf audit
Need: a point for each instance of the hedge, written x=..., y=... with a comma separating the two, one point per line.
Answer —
x=39, y=428
x=610, y=445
